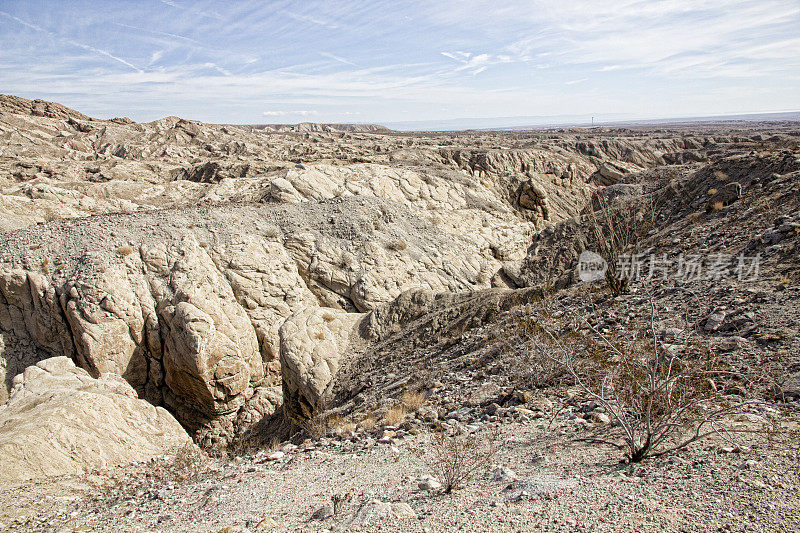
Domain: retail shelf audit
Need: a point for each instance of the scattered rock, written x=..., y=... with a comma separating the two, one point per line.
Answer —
x=429, y=483
x=714, y=321
x=324, y=512
x=375, y=511
x=537, y=487
x=502, y=474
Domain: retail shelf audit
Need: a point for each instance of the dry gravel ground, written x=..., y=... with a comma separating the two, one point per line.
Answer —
x=565, y=484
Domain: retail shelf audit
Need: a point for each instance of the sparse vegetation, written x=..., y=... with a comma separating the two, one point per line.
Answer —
x=341, y=425
x=317, y=426
x=125, y=250
x=661, y=398
x=368, y=423
x=395, y=414
x=617, y=230
x=413, y=400
x=458, y=458
x=396, y=245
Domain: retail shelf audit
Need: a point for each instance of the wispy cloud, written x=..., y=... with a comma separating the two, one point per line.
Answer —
x=668, y=37
x=310, y=20
x=70, y=41
x=157, y=32
x=202, y=13
x=475, y=64
x=337, y=58
x=229, y=61
x=301, y=113
x=217, y=68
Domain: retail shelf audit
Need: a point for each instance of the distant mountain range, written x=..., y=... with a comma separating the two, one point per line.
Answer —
x=559, y=121
x=306, y=127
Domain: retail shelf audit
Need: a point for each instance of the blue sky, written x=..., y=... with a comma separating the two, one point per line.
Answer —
x=389, y=61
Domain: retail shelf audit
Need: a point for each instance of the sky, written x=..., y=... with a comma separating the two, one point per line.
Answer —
x=411, y=62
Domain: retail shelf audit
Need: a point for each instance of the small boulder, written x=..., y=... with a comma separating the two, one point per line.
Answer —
x=714, y=321
x=322, y=513
x=428, y=483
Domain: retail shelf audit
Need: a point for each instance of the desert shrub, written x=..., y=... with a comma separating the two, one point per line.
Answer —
x=368, y=423
x=525, y=367
x=341, y=425
x=272, y=232
x=188, y=463
x=396, y=245
x=394, y=415
x=125, y=250
x=456, y=459
x=413, y=400
x=317, y=426
x=616, y=229
x=661, y=398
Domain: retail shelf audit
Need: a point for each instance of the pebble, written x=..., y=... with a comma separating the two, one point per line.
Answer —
x=428, y=483
x=326, y=511
x=501, y=474
x=276, y=456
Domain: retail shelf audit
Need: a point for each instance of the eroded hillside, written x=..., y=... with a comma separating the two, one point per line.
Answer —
x=217, y=268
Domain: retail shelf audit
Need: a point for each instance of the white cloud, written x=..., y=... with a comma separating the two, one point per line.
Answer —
x=337, y=58
x=217, y=68
x=407, y=63
x=70, y=41
x=302, y=113
x=667, y=36
x=155, y=56
x=475, y=64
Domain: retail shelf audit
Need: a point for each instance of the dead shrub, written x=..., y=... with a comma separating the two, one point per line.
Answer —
x=661, y=398
x=396, y=245
x=616, y=229
x=526, y=368
x=456, y=459
x=272, y=232
x=394, y=415
x=341, y=425
x=413, y=400
x=368, y=423
x=188, y=463
x=317, y=426
x=125, y=250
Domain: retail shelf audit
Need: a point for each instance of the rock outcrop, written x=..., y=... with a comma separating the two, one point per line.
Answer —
x=313, y=343
x=60, y=420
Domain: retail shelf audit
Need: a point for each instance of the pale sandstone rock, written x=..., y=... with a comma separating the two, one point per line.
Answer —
x=211, y=356
x=313, y=343
x=60, y=420
x=266, y=283
x=107, y=322
x=31, y=324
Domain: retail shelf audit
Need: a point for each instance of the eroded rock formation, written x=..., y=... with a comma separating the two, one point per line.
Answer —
x=217, y=268
x=60, y=420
